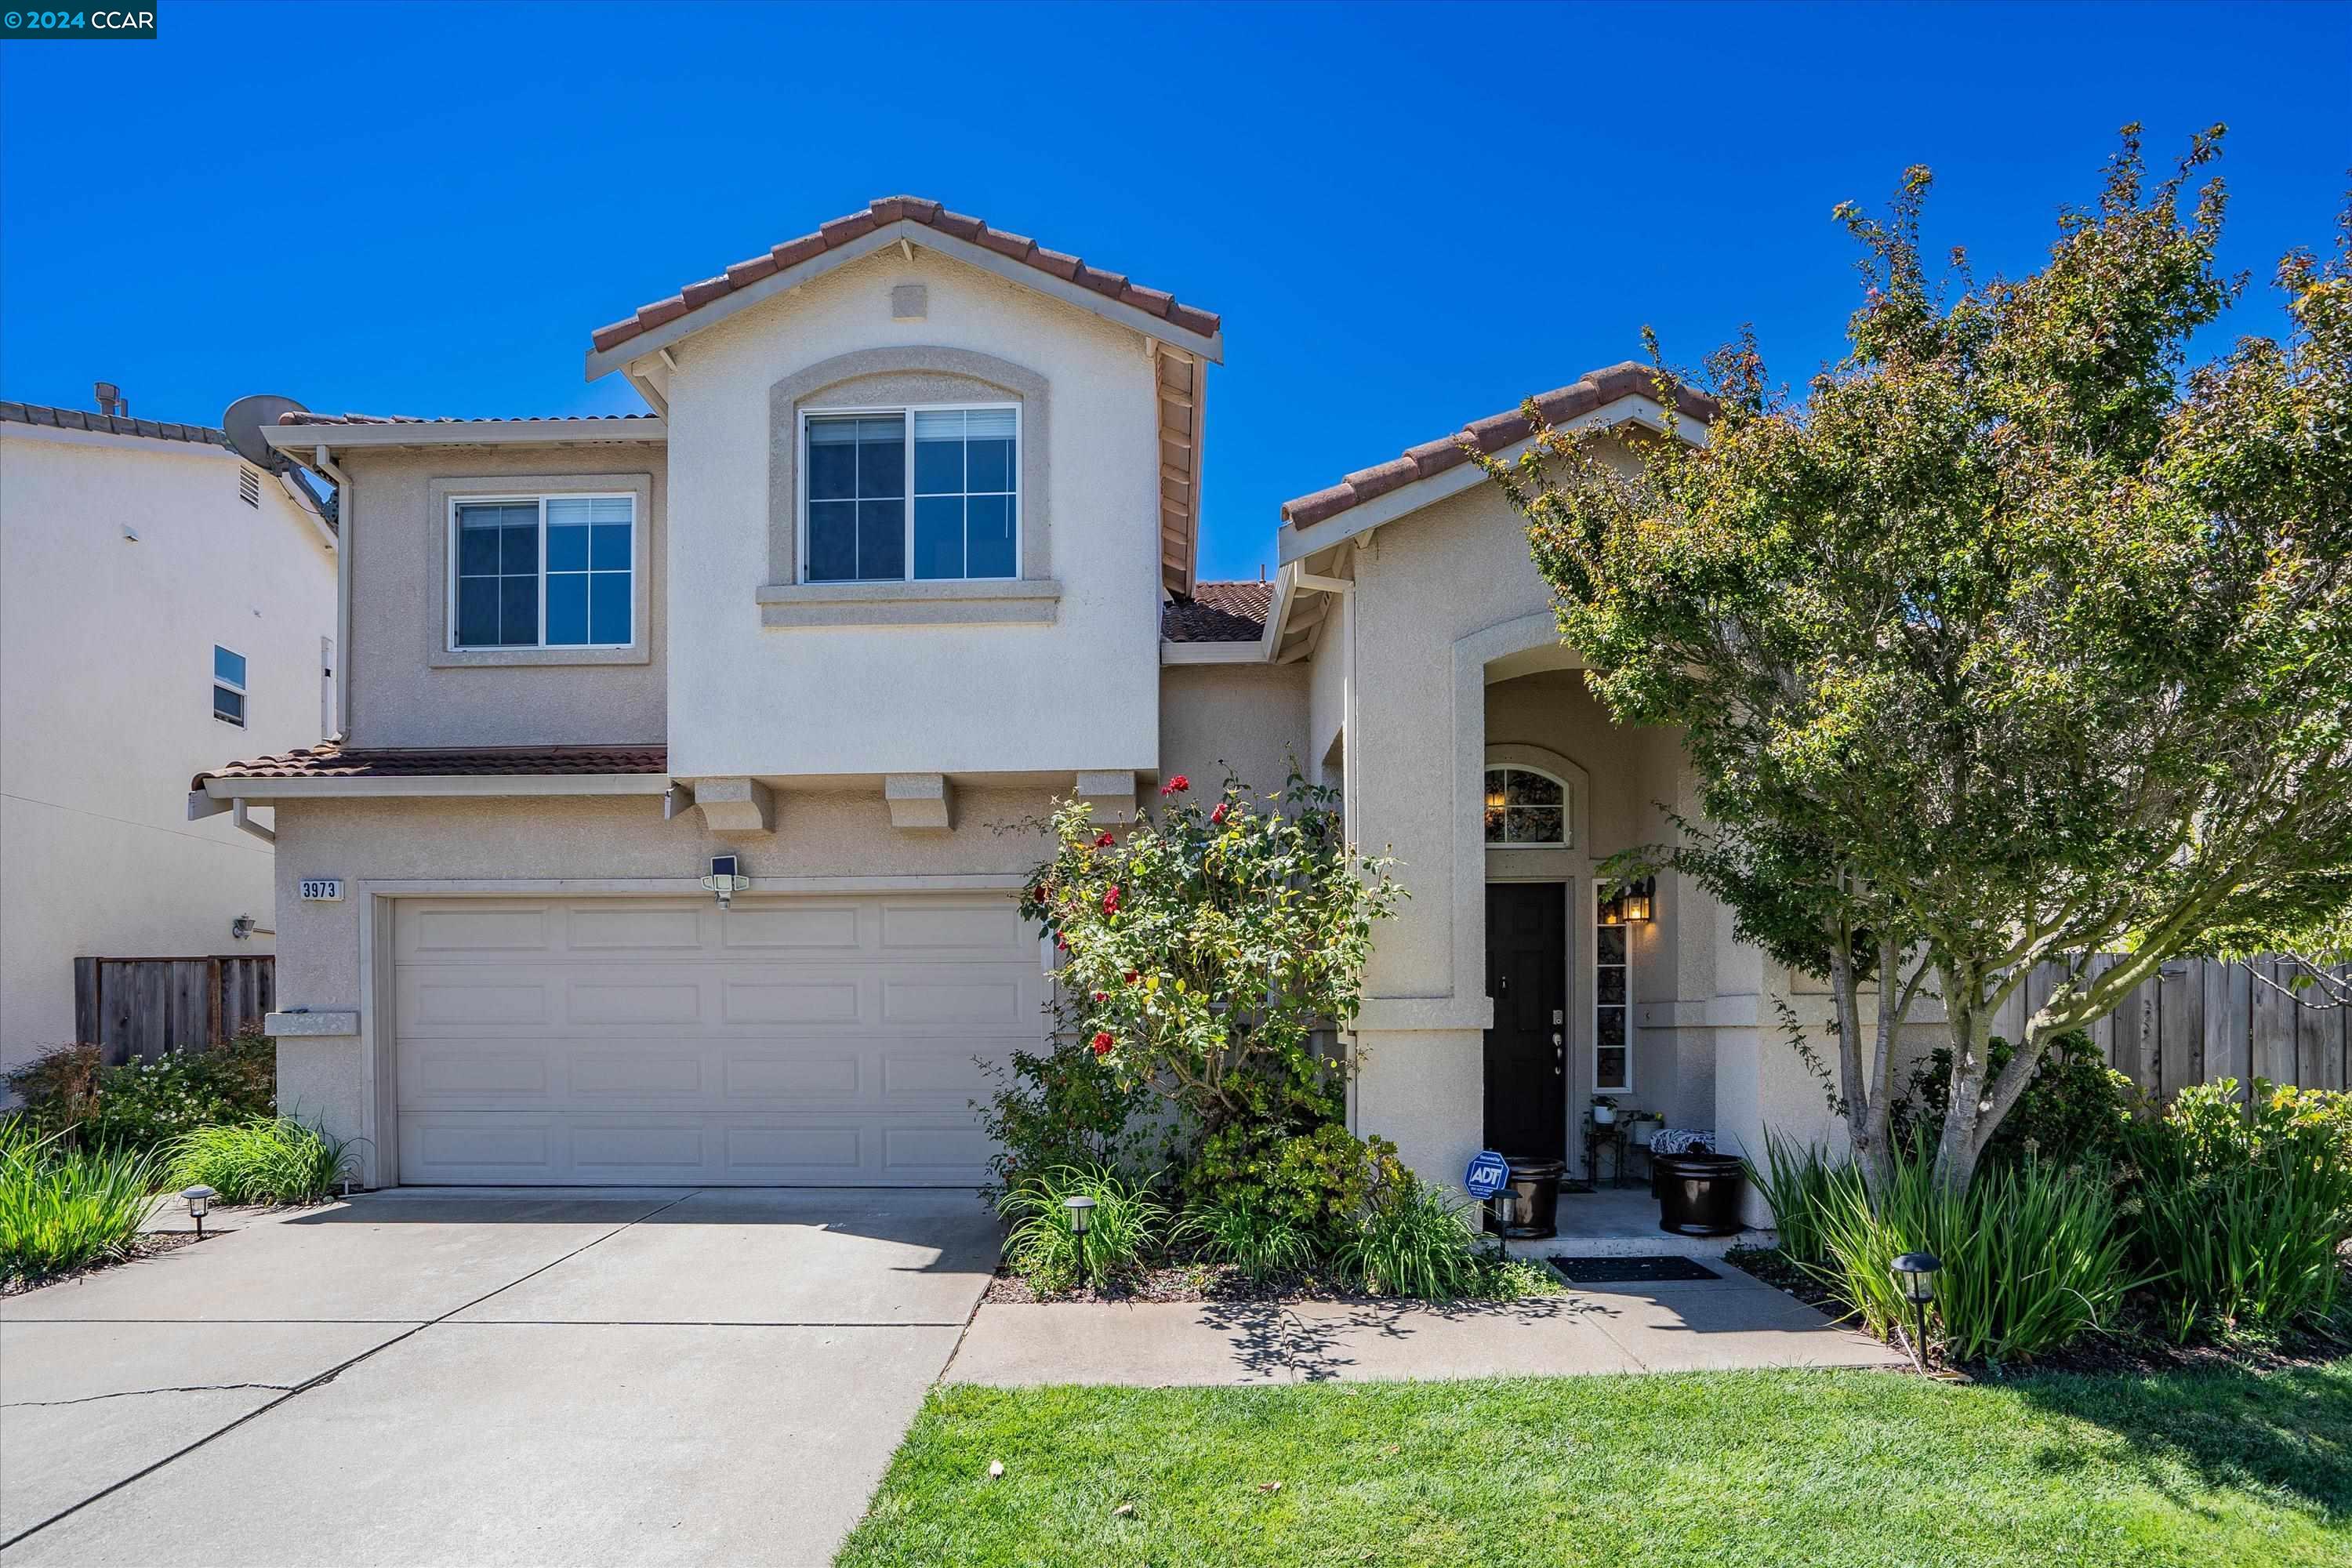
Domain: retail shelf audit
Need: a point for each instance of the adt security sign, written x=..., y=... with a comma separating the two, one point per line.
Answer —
x=1488, y=1174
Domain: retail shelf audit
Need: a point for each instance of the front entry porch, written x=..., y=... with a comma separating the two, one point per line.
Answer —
x=1622, y=1222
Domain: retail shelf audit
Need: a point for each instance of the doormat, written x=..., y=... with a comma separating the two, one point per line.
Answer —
x=1631, y=1271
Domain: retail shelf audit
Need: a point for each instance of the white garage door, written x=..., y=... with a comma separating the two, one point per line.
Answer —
x=820, y=1041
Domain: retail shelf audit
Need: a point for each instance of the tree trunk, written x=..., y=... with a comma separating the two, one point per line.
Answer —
x=1957, y=1150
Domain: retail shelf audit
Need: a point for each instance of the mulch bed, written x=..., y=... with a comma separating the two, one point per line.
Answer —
x=2135, y=1347
x=154, y=1244
x=1178, y=1282
x=1186, y=1282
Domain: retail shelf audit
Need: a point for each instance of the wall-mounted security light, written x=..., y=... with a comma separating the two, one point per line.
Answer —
x=726, y=878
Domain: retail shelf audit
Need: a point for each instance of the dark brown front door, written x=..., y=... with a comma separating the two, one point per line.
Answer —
x=1526, y=1058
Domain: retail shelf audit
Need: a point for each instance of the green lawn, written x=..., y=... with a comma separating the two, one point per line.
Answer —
x=1743, y=1468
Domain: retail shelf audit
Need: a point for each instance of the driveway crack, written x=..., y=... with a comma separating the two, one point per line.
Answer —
x=138, y=1392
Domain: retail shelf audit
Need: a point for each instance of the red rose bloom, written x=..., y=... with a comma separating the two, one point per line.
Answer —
x=1102, y=996
x=1132, y=977
x=1110, y=900
x=1218, y=815
x=1104, y=842
x=1102, y=1042
x=1176, y=785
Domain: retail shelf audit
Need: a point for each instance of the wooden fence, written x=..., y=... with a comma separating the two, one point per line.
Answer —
x=2202, y=1019
x=143, y=1007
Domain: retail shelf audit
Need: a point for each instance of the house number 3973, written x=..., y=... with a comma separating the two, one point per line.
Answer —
x=323, y=889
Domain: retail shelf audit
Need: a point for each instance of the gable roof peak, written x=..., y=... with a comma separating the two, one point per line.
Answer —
x=849, y=229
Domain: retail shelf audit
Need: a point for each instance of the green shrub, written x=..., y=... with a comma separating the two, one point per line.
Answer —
x=1801, y=1183
x=1243, y=1232
x=144, y=1104
x=57, y=1090
x=1125, y=1228
x=2240, y=1213
x=2033, y=1257
x=266, y=1160
x=62, y=1206
x=1417, y=1242
x=2075, y=1108
x=1319, y=1181
x=1065, y=1107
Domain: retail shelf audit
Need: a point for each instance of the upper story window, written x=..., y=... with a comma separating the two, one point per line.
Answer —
x=881, y=507
x=229, y=686
x=1525, y=808
x=543, y=572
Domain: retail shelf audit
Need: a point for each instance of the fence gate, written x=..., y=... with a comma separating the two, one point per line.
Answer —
x=144, y=1007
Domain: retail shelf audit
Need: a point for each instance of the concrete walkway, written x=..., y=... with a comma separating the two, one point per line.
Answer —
x=483, y=1378
x=1703, y=1325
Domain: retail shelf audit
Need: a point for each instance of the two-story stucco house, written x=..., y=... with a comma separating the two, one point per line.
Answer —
x=165, y=598
x=905, y=552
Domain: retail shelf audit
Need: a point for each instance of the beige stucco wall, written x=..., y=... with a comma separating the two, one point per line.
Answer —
x=1248, y=719
x=400, y=589
x=1082, y=692
x=106, y=665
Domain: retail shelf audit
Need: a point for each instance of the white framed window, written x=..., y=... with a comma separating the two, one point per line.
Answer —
x=911, y=494
x=1526, y=808
x=229, y=686
x=1612, y=999
x=542, y=571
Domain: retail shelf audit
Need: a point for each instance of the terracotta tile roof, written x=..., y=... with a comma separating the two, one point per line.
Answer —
x=113, y=423
x=295, y=416
x=1219, y=611
x=842, y=231
x=1594, y=389
x=332, y=761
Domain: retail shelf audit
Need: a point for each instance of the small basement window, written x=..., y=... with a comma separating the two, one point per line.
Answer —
x=229, y=686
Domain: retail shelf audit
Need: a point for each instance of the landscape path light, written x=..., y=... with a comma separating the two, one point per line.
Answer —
x=1081, y=1210
x=1914, y=1275
x=200, y=1198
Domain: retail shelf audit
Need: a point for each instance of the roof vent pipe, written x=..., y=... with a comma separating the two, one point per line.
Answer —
x=109, y=398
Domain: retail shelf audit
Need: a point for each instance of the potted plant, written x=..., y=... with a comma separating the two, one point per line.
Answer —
x=1604, y=1110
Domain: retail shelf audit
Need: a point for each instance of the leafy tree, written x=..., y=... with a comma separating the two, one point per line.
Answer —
x=1205, y=950
x=2011, y=640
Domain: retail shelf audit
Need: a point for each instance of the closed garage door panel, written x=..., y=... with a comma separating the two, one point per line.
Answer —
x=784, y=1041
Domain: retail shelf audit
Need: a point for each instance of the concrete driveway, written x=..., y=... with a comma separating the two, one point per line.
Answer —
x=476, y=1377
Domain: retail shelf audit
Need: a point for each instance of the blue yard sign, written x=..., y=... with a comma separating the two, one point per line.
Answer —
x=1488, y=1174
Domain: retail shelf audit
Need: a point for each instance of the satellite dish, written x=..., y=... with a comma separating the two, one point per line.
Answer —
x=247, y=418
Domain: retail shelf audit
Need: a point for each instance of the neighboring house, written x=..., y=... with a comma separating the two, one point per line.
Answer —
x=163, y=597
x=906, y=552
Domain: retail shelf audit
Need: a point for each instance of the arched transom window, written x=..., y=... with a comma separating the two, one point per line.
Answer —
x=1526, y=807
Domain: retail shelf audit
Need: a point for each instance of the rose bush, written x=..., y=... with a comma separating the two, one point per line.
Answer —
x=1208, y=952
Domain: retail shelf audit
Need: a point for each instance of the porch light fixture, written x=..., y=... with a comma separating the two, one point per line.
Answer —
x=1495, y=798
x=199, y=1199
x=1640, y=901
x=1914, y=1275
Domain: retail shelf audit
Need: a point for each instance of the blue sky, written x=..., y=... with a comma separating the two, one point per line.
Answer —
x=1409, y=217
